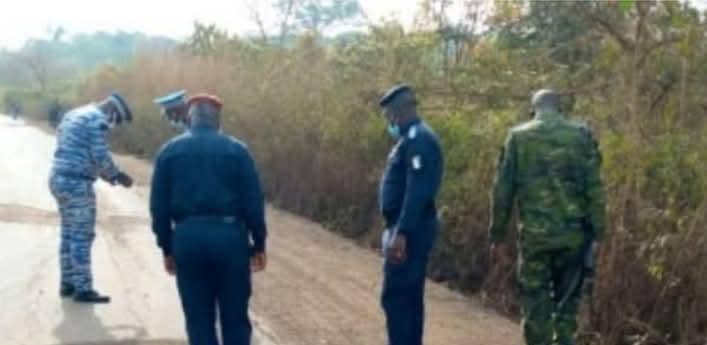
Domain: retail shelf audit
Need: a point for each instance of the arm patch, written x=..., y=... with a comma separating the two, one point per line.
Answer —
x=416, y=162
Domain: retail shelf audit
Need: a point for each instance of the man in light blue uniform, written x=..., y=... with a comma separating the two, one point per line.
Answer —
x=408, y=192
x=82, y=155
x=174, y=108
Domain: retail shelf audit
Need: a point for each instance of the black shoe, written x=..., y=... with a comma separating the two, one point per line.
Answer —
x=66, y=290
x=90, y=296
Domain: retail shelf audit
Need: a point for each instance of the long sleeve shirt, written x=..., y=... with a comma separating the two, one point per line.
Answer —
x=412, y=179
x=82, y=150
x=205, y=173
x=551, y=167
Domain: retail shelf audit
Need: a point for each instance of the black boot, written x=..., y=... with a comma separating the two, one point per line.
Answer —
x=66, y=290
x=90, y=296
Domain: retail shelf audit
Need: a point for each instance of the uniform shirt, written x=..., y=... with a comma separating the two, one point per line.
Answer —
x=204, y=173
x=411, y=179
x=82, y=151
x=551, y=166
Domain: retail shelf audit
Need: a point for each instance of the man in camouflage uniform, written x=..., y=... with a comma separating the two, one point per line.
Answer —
x=82, y=155
x=551, y=167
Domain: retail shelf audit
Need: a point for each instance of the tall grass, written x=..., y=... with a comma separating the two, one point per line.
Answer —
x=309, y=116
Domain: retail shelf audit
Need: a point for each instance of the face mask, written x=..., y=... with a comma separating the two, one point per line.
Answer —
x=111, y=123
x=111, y=120
x=394, y=130
x=178, y=125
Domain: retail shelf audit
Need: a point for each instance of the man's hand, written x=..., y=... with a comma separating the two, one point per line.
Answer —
x=124, y=180
x=499, y=253
x=397, y=253
x=258, y=262
x=169, y=265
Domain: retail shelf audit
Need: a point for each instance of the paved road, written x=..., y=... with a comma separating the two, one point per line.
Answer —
x=319, y=288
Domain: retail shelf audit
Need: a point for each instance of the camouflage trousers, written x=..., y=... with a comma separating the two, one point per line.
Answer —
x=546, y=278
x=77, y=207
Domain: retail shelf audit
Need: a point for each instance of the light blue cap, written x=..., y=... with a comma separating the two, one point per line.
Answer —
x=172, y=100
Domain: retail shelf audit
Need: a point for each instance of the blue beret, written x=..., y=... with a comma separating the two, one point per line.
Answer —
x=171, y=100
x=395, y=91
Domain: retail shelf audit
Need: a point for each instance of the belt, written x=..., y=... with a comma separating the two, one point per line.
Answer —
x=73, y=175
x=222, y=219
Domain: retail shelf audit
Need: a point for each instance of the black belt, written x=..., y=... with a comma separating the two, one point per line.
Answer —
x=222, y=219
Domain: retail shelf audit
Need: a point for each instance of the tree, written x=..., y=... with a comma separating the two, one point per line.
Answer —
x=458, y=35
x=36, y=57
x=205, y=39
x=320, y=15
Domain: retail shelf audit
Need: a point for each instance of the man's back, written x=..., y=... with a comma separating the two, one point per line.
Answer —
x=551, y=168
x=551, y=163
x=204, y=173
x=208, y=165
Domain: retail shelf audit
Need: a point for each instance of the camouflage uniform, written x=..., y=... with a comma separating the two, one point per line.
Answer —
x=81, y=156
x=551, y=167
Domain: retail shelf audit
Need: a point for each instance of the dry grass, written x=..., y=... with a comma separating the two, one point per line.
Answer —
x=311, y=122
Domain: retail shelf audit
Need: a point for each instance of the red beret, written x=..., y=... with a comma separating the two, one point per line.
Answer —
x=205, y=97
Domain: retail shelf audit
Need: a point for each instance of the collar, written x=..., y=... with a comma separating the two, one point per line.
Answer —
x=549, y=115
x=104, y=117
x=202, y=128
x=404, y=129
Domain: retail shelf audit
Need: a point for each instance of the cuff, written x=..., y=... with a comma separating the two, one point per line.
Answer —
x=403, y=231
x=166, y=247
x=113, y=176
x=258, y=247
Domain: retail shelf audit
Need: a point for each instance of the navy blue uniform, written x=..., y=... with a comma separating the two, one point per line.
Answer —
x=407, y=200
x=208, y=214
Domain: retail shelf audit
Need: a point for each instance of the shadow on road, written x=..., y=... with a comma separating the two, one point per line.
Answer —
x=80, y=322
x=82, y=326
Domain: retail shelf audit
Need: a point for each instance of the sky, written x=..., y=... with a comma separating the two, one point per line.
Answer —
x=24, y=19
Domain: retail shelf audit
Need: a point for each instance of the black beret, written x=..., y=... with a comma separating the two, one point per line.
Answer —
x=395, y=91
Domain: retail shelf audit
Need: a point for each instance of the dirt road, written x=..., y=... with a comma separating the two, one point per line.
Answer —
x=319, y=289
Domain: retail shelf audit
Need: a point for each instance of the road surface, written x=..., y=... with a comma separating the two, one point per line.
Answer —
x=319, y=289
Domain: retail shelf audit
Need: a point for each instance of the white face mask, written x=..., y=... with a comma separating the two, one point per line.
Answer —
x=111, y=121
x=178, y=125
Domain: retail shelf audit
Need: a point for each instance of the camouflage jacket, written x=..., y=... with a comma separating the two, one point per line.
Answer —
x=550, y=166
x=82, y=150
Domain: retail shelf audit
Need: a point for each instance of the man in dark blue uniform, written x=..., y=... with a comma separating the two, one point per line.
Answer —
x=407, y=199
x=208, y=214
